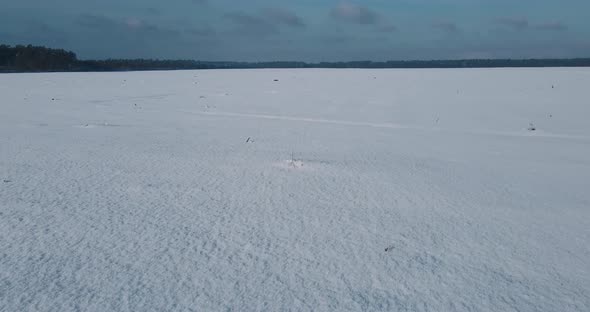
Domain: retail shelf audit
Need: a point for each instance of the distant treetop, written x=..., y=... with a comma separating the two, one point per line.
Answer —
x=30, y=58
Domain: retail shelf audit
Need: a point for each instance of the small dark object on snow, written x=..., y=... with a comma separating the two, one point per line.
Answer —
x=249, y=140
x=552, y=87
x=202, y=97
x=276, y=80
x=52, y=99
x=532, y=127
x=388, y=249
x=7, y=181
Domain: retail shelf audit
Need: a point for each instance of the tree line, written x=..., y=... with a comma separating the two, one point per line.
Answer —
x=21, y=58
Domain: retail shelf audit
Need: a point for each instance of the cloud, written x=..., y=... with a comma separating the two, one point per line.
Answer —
x=334, y=39
x=37, y=32
x=252, y=24
x=153, y=11
x=99, y=36
x=132, y=37
x=266, y=22
x=130, y=25
x=94, y=21
x=523, y=24
x=352, y=13
x=361, y=15
x=134, y=23
x=386, y=28
x=552, y=26
x=447, y=27
x=514, y=23
x=201, y=31
x=282, y=16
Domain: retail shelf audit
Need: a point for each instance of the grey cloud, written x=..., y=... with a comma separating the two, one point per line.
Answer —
x=252, y=24
x=282, y=16
x=387, y=28
x=334, y=39
x=514, y=23
x=153, y=11
x=36, y=32
x=129, y=25
x=129, y=38
x=132, y=37
x=447, y=27
x=553, y=26
x=523, y=23
x=201, y=32
x=94, y=21
x=352, y=13
x=266, y=22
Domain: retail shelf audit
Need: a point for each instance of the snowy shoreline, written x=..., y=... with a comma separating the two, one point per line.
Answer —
x=307, y=190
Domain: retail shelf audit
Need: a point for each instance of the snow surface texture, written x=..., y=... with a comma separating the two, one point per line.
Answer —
x=327, y=190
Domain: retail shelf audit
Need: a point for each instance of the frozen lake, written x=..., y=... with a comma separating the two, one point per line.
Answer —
x=303, y=190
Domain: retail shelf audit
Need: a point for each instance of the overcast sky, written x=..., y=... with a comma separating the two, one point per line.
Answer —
x=306, y=30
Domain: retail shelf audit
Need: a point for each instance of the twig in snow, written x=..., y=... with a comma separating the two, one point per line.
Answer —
x=531, y=127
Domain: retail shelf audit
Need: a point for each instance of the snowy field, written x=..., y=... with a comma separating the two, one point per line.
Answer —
x=325, y=190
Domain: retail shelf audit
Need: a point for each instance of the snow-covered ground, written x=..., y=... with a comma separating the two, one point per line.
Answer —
x=327, y=190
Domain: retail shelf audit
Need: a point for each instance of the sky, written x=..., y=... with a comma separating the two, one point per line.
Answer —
x=304, y=30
